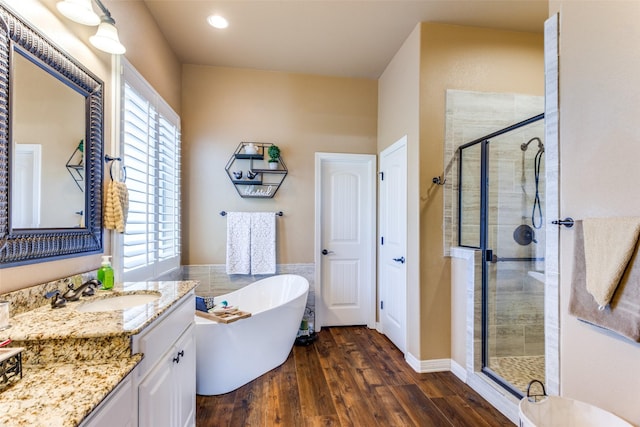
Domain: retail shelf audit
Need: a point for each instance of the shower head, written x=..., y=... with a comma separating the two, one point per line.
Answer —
x=525, y=145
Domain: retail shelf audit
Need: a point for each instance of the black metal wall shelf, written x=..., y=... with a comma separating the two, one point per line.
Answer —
x=247, y=172
x=75, y=165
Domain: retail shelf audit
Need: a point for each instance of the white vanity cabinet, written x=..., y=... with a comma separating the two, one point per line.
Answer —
x=166, y=397
x=117, y=409
x=166, y=376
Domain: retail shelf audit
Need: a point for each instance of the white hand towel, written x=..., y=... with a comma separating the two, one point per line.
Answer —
x=609, y=244
x=238, y=243
x=263, y=243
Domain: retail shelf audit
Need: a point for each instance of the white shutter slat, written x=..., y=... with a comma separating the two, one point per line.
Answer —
x=152, y=156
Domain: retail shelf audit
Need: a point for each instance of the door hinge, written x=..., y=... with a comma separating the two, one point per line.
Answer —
x=381, y=240
x=381, y=305
x=381, y=176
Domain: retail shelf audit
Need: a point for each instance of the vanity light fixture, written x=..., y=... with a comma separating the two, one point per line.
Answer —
x=81, y=11
x=217, y=21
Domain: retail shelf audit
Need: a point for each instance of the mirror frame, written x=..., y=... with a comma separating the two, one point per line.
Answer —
x=28, y=246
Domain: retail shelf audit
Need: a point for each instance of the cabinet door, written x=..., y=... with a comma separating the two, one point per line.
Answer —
x=116, y=410
x=155, y=396
x=184, y=372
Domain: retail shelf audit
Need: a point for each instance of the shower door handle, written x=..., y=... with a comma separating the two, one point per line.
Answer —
x=326, y=252
x=489, y=256
x=567, y=222
x=400, y=260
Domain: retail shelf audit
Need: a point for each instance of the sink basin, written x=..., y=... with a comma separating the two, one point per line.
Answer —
x=119, y=302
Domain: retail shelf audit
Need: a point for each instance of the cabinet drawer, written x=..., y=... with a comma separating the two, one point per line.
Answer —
x=155, y=342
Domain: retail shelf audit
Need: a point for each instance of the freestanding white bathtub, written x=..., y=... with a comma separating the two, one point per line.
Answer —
x=555, y=411
x=230, y=355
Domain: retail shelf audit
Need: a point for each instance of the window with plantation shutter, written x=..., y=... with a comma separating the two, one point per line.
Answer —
x=150, y=150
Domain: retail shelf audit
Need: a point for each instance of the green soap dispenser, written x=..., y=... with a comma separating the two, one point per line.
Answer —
x=105, y=273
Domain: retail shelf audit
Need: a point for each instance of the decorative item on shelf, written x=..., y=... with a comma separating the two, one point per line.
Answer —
x=249, y=174
x=274, y=156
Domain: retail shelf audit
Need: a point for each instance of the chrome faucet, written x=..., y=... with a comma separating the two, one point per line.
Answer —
x=86, y=290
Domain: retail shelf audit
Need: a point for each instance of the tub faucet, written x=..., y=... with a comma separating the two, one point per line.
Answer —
x=86, y=289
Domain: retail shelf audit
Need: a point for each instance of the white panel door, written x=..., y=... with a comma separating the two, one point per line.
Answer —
x=393, y=242
x=345, y=239
x=26, y=186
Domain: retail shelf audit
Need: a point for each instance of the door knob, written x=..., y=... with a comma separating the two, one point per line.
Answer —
x=400, y=260
x=326, y=252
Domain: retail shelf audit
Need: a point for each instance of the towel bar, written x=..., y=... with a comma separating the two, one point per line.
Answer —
x=279, y=213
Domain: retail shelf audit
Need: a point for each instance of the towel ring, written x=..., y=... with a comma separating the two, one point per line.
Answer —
x=113, y=160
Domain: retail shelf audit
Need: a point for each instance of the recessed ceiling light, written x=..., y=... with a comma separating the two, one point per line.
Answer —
x=217, y=21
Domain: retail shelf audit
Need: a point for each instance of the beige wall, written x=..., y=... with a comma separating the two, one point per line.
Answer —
x=398, y=115
x=464, y=58
x=599, y=107
x=302, y=114
x=147, y=50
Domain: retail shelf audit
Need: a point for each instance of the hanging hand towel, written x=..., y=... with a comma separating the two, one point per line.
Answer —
x=263, y=243
x=622, y=315
x=238, y=243
x=609, y=244
x=116, y=206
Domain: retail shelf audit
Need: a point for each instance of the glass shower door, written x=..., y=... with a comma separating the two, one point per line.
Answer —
x=513, y=320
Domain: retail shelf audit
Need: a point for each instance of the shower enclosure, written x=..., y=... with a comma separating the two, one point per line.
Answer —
x=500, y=212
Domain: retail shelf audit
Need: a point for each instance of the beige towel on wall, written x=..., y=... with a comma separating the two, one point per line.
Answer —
x=622, y=315
x=609, y=244
x=116, y=206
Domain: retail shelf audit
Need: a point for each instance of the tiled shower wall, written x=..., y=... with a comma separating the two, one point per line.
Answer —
x=516, y=309
x=471, y=115
x=517, y=301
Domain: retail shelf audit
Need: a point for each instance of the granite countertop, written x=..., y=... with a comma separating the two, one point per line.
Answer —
x=61, y=394
x=73, y=359
x=48, y=323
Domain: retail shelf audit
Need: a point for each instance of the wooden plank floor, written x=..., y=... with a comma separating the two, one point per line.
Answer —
x=351, y=376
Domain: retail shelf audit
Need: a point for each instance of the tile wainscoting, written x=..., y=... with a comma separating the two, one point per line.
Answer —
x=215, y=281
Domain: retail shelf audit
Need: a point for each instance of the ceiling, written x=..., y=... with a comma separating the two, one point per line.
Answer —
x=352, y=38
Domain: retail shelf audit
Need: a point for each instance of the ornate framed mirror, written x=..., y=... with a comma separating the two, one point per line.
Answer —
x=51, y=138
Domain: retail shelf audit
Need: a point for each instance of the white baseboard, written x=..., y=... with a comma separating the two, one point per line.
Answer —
x=459, y=371
x=424, y=366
